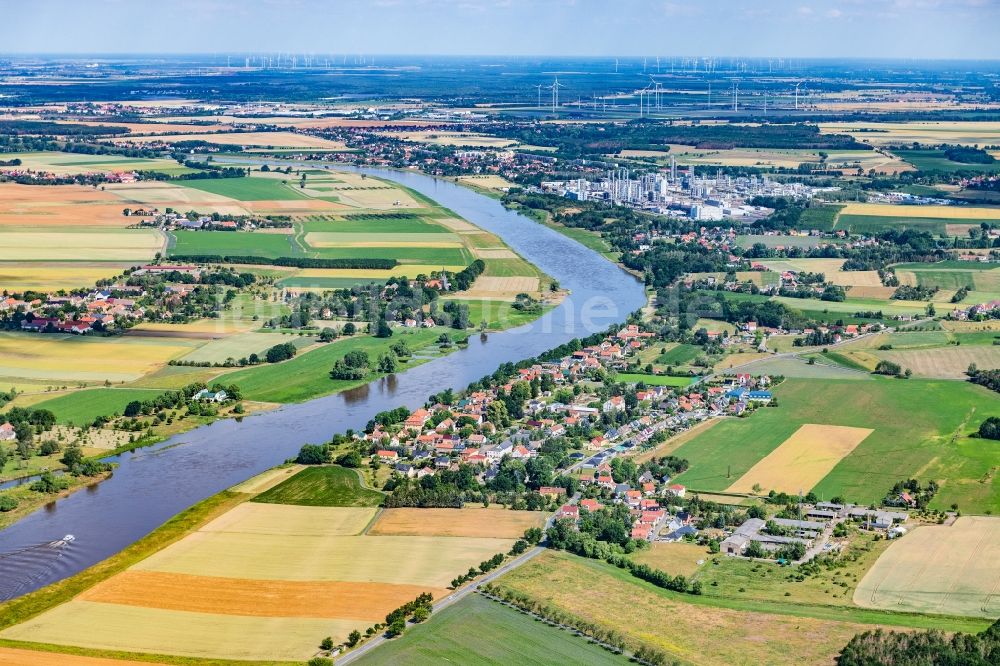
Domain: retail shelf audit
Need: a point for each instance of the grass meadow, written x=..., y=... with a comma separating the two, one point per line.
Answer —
x=920, y=430
x=322, y=486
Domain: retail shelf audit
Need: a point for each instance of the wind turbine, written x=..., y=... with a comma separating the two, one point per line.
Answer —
x=797, y=95
x=539, y=86
x=736, y=96
x=555, y=93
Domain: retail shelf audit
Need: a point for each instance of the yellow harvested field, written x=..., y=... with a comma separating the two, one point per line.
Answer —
x=855, y=278
x=249, y=139
x=490, y=182
x=290, y=520
x=34, y=206
x=202, y=328
x=951, y=570
x=467, y=139
x=881, y=293
x=828, y=266
x=82, y=358
x=961, y=229
x=949, y=212
x=967, y=326
x=496, y=254
x=102, y=626
x=967, y=133
x=458, y=225
x=678, y=558
x=802, y=460
x=428, y=561
x=944, y=362
x=18, y=657
x=21, y=244
x=51, y=276
x=473, y=522
x=369, y=602
x=741, y=358
x=267, y=480
x=487, y=287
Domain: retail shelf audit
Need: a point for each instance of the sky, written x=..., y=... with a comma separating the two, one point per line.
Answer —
x=932, y=29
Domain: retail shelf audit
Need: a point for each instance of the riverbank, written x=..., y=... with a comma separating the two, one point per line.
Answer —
x=156, y=482
x=29, y=501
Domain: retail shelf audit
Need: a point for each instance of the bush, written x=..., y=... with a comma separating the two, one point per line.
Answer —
x=7, y=503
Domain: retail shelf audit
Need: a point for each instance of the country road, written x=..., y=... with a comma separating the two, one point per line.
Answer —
x=455, y=596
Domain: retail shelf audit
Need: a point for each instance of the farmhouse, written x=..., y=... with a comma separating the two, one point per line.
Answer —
x=7, y=432
x=210, y=396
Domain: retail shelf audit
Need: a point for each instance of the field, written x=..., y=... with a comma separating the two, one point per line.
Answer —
x=17, y=276
x=249, y=139
x=62, y=164
x=936, y=160
x=32, y=206
x=300, y=570
x=480, y=632
x=952, y=132
x=491, y=182
x=920, y=430
x=82, y=407
x=463, y=139
x=247, y=189
x=233, y=242
x=78, y=243
x=687, y=628
x=241, y=345
x=469, y=522
x=802, y=460
x=16, y=657
x=70, y=358
x=307, y=375
x=676, y=558
x=939, y=569
x=322, y=486
x=653, y=380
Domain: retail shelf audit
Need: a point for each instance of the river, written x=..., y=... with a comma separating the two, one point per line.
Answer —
x=153, y=484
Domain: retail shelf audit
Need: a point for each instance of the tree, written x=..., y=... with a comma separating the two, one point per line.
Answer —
x=349, y=328
x=387, y=363
x=132, y=409
x=353, y=638
x=496, y=413
x=396, y=628
x=382, y=329
x=990, y=428
x=327, y=335
x=326, y=643
x=350, y=459
x=72, y=457
x=313, y=454
x=754, y=549
x=280, y=352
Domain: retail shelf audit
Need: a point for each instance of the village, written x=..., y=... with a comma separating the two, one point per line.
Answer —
x=565, y=400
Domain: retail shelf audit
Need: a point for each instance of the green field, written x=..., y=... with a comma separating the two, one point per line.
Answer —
x=870, y=224
x=477, y=631
x=434, y=256
x=653, y=380
x=233, y=243
x=82, y=407
x=934, y=160
x=819, y=217
x=497, y=314
x=307, y=375
x=920, y=429
x=322, y=486
x=680, y=354
x=398, y=223
x=247, y=189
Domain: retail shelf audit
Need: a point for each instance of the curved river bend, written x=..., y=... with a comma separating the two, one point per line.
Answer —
x=155, y=483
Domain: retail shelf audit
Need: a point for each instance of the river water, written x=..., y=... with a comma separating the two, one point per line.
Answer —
x=152, y=484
